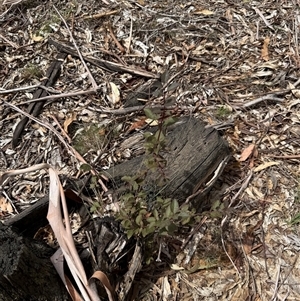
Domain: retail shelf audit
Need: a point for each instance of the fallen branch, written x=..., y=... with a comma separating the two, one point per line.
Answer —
x=57, y=96
x=94, y=84
x=35, y=109
x=26, y=88
x=107, y=65
x=100, y=15
x=285, y=157
x=271, y=96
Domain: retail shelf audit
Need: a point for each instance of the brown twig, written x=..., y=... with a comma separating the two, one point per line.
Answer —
x=100, y=15
x=62, y=95
x=124, y=111
x=104, y=64
x=121, y=48
x=94, y=84
x=9, y=42
x=271, y=96
x=61, y=129
x=49, y=89
x=285, y=157
x=130, y=37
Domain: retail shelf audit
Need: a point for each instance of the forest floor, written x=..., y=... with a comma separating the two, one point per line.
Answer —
x=233, y=64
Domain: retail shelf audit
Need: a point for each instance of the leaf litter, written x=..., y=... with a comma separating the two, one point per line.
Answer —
x=240, y=55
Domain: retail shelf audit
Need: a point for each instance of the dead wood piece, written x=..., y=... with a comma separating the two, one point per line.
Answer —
x=35, y=109
x=134, y=267
x=113, y=251
x=26, y=272
x=104, y=64
x=193, y=154
x=31, y=219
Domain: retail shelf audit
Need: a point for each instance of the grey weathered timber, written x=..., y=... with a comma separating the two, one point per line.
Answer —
x=193, y=153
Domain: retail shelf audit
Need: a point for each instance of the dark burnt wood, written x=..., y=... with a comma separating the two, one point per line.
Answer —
x=35, y=108
x=26, y=272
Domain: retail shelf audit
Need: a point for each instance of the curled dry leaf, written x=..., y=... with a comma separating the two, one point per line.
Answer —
x=296, y=92
x=115, y=93
x=11, y=2
x=69, y=120
x=137, y=124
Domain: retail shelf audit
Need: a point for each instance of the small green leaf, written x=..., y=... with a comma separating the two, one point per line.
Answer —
x=155, y=213
x=130, y=233
x=127, y=197
x=296, y=219
x=145, y=232
x=150, y=114
x=159, y=135
x=168, y=211
x=164, y=233
x=138, y=220
x=171, y=228
x=157, y=93
x=174, y=206
x=147, y=135
x=185, y=221
x=126, y=179
x=126, y=224
x=164, y=77
x=152, y=226
x=85, y=167
x=94, y=179
x=135, y=186
x=151, y=219
x=169, y=121
x=173, y=86
x=215, y=205
x=215, y=214
x=149, y=260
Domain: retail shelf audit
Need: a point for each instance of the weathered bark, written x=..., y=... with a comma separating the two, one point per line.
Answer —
x=26, y=272
x=193, y=153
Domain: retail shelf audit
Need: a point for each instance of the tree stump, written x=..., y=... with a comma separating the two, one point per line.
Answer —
x=194, y=154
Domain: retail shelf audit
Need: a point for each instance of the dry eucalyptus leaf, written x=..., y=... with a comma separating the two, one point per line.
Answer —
x=247, y=152
x=205, y=12
x=265, y=165
x=115, y=93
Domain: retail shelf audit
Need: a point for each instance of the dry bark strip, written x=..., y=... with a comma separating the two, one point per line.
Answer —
x=35, y=108
x=194, y=153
